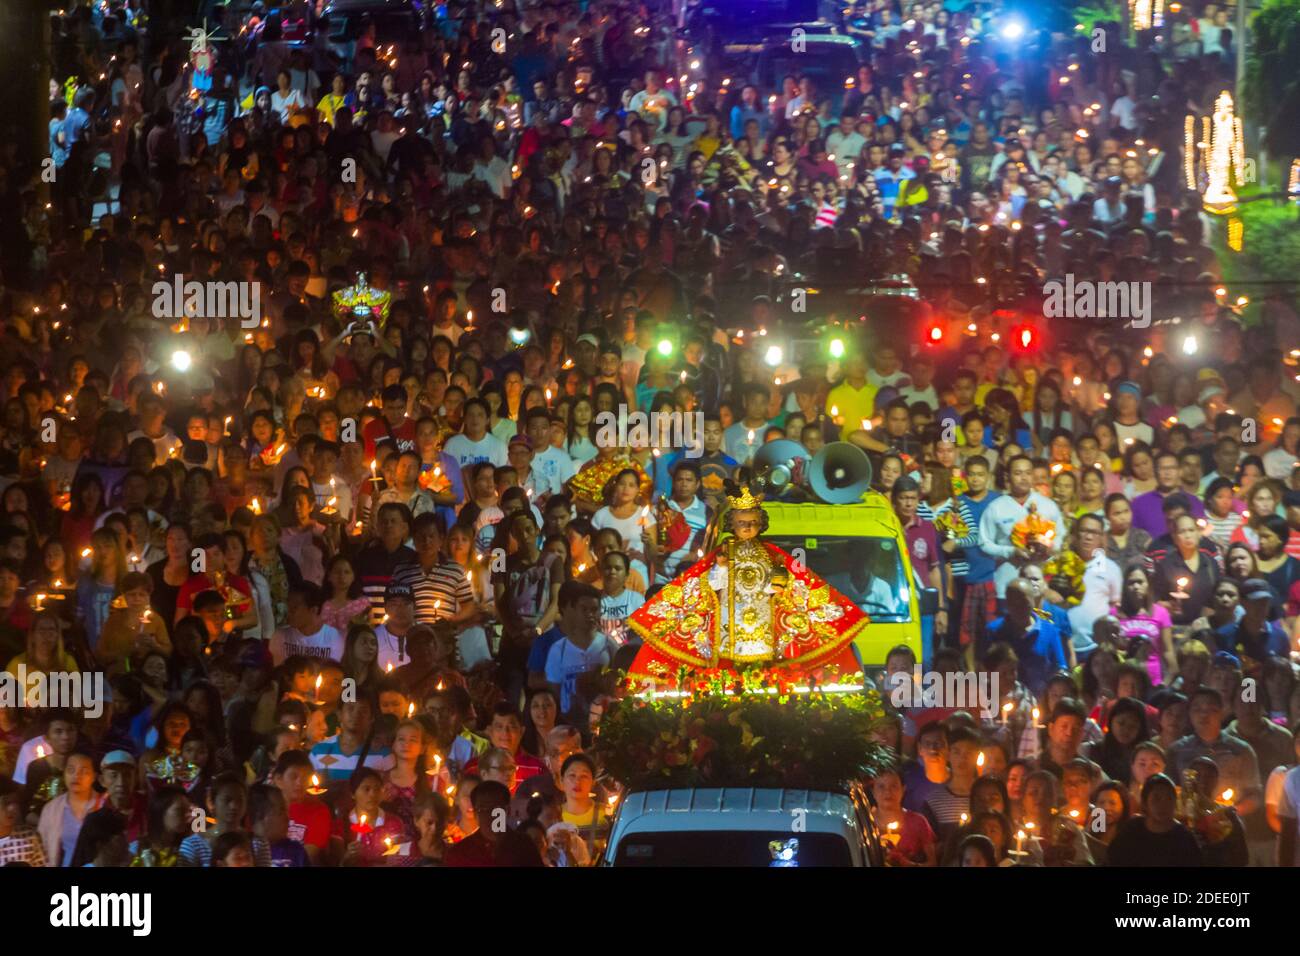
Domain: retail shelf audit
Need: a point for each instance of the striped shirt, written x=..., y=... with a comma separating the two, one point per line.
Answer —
x=375, y=567
x=957, y=563
x=329, y=758
x=944, y=810
x=439, y=593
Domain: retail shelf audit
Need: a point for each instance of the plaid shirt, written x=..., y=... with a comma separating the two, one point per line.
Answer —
x=23, y=845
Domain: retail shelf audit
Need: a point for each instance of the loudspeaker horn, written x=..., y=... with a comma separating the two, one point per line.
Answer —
x=840, y=473
x=778, y=462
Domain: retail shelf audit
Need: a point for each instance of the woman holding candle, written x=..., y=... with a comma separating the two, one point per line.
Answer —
x=906, y=836
x=407, y=779
x=1155, y=838
x=1141, y=619
x=79, y=521
x=371, y=836
x=1185, y=577
x=583, y=807
x=629, y=517
x=1262, y=499
x=1050, y=838
x=97, y=589
x=132, y=628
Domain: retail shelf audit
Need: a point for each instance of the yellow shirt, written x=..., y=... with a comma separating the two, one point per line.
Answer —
x=594, y=816
x=851, y=405
x=328, y=106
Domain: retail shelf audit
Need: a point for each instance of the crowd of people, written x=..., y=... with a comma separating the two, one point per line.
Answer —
x=359, y=575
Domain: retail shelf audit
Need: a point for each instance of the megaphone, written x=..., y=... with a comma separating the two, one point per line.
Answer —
x=840, y=473
x=777, y=463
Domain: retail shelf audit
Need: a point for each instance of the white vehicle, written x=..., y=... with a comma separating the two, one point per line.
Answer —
x=743, y=826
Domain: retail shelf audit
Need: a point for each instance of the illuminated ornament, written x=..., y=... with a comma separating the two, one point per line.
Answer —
x=1216, y=162
x=362, y=301
x=1236, y=233
x=1146, y=14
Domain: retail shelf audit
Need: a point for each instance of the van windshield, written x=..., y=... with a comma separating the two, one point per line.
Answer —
x=866, y=570
x=751, y=848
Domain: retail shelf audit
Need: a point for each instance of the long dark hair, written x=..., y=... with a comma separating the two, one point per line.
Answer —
x=159, y=803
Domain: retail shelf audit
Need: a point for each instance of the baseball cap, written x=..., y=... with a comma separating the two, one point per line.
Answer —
x=589, y=339
x=522, y=440
x=1131, y=388
x=398, y=591
x=1208, y=392
x=115, y=758
x=1256, y=589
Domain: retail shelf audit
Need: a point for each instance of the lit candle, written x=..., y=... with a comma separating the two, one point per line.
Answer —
x=1006, y=712
x=315, y=789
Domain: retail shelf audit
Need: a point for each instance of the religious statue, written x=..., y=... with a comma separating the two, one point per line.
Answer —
x=747, y=604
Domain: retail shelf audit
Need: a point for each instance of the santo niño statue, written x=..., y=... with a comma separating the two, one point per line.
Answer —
x=746, y=603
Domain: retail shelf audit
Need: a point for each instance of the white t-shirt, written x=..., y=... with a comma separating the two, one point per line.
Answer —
x=162, y=445
x=1141, y=432
x=551, y=469
x=468, y=452
x=614, y=612
x=629, y=530
x=327, y=643
x=341, y=490
x=389, y=649
x=566, y=662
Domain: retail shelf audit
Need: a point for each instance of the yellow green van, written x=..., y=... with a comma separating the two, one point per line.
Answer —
x=859, y=549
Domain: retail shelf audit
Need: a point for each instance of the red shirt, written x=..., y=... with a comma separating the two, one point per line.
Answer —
x=309, y=823
x=526, y=765
x=923, y=547
x=378, y=428
x=198, y=583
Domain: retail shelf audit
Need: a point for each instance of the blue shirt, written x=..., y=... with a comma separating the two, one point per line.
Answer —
x=541, y=647
x=1039, y=650
x=980, y=566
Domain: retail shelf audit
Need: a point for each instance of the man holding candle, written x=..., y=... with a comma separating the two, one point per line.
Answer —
x=391, y=426
x=1235, y=758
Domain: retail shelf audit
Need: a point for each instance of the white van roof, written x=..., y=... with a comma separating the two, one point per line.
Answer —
x=733, y=808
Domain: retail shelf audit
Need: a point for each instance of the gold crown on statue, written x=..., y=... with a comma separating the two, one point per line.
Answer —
x=745, y=502
x=362, y=301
